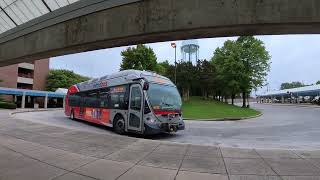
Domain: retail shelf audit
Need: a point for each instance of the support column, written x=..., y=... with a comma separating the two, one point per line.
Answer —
x=282, y=99
x=298, y=99
x=46, y=101
x=15, y=98
x=64, y=101
x=23, y=101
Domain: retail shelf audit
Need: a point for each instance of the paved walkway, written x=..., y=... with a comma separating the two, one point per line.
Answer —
x=35, y=151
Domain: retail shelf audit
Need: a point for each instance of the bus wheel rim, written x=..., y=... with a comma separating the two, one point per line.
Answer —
x=120, y=123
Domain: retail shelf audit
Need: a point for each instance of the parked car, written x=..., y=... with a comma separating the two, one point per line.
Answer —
x=275, y=100
x=316, y=100
x=292, y=100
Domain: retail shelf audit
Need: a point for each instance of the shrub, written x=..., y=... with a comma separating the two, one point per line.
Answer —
x=6, y=105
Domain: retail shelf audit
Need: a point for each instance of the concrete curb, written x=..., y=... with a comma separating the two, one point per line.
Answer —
x=225, y=119
x=291, y=105
x=34, y=110
x=188, y=119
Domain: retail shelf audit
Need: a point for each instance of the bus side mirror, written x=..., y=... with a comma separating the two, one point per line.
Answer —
x=146, y=86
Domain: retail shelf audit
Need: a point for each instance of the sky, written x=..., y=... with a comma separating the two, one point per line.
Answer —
x=293, y=58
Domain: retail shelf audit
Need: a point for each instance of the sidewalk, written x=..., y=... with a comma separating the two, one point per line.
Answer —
x=36, y=151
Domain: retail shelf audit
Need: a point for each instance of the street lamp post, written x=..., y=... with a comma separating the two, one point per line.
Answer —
x=175, y=61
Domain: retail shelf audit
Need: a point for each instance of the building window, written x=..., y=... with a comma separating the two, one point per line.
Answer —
x=25, y=73
x=24, y=86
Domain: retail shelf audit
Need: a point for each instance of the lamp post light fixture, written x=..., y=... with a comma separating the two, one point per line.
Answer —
x=174, y=45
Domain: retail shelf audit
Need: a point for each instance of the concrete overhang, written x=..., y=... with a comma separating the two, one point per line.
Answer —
x=313, y=90
x=96, y=24
x=26, y=66
x=13, y=91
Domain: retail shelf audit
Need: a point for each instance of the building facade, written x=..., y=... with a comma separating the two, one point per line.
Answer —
x=31, y=76
x=25, y=75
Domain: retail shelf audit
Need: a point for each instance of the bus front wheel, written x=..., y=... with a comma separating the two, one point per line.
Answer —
x=119, y=124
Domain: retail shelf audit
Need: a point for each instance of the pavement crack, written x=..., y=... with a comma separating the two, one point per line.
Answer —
x=224, y=162
x=268, y=164
x=135, y=164
x=180, y=165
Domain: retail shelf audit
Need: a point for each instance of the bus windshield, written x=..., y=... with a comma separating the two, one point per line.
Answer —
x=164, y=97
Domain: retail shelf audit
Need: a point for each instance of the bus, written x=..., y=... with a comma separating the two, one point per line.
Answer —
x=135, y=101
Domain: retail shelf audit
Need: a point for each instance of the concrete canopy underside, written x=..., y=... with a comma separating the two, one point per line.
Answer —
x=313, y=90
x=91, y=25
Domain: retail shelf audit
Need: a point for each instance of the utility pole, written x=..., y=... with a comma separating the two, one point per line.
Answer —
x=175, y=62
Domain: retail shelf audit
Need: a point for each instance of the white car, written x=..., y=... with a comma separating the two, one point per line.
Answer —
x=275, y=100
x=315, y=100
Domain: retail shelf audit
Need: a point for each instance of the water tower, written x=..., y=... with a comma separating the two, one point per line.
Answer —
x=190, y=50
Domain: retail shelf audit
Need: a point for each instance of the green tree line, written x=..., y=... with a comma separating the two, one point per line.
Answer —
x=238, y=67
x=61, y=78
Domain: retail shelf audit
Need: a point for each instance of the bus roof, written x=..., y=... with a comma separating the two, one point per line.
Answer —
x=122, y=77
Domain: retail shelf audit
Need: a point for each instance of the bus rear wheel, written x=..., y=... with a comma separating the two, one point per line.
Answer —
x=119, y=125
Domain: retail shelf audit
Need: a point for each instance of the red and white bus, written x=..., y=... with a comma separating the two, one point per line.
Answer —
x=129, y=101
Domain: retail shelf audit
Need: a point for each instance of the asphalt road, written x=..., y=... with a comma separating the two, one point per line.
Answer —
x=280, y=127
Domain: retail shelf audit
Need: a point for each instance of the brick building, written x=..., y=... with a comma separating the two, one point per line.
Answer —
x=24, y=76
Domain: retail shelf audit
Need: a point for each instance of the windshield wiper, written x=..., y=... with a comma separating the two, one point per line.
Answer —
x=168, y=106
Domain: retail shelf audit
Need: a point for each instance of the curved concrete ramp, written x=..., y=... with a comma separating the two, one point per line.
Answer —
x=99, y=24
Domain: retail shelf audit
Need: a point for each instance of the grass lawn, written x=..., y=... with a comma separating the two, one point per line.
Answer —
x=197, y=108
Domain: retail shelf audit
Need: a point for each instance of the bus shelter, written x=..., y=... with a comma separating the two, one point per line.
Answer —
x=25, y=98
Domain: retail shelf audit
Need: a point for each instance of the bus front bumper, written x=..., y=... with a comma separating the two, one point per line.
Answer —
x=164, y=128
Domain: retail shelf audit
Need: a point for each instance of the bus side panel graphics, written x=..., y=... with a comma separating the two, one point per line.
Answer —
x=97, y=115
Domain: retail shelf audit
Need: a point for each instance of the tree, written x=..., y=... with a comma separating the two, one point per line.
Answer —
x=255, y=59
x=140, y=57
x=229, y=70
x=163, y=67
x=207, y=77
x=318, y=82
x=61, y=78
x=185, y=78
x=290, y=85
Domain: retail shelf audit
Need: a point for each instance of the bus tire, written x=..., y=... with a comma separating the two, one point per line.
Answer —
x=119, y=124
x=72, y=115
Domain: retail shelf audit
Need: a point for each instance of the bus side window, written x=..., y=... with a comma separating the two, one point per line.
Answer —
x=74, y=100
x=126, y=97
x=119, y=97
x=104, y=98
x=122, y=100
x=91, y=99
x=114, y=99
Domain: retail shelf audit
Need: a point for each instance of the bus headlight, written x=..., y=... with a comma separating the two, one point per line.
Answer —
x=151, y=120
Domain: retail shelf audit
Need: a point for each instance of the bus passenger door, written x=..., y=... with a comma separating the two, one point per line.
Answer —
x=135, y=120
